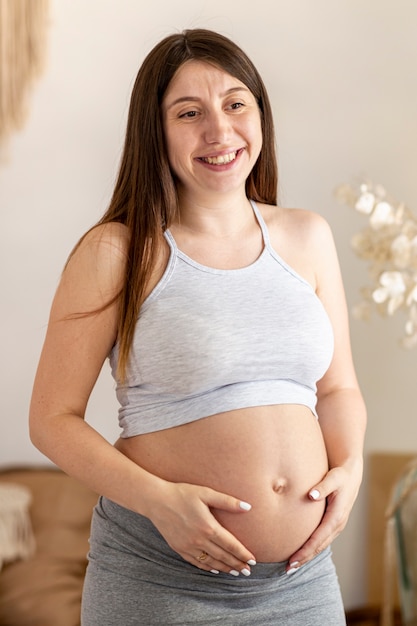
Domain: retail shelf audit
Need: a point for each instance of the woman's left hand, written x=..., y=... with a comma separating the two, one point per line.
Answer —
x=340, y=487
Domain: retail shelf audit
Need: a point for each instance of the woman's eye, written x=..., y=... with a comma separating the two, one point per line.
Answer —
x=189, y=114
x=236, y=105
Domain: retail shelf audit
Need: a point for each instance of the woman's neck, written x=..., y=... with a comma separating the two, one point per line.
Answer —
x=224, y=216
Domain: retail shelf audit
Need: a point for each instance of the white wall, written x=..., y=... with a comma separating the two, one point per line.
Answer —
x=342, y=79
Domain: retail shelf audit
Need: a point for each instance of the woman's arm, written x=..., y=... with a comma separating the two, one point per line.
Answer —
x=340, y=407
x=73, y=354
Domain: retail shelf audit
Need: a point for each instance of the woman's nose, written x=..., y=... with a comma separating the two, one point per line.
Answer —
x=217, y=129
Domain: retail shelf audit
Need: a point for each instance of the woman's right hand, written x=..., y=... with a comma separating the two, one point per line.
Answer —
x=185, y=520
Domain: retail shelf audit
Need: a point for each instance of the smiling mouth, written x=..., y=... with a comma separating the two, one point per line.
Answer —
x=221, y=159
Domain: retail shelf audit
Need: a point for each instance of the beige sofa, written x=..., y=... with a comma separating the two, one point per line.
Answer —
x=45, y=589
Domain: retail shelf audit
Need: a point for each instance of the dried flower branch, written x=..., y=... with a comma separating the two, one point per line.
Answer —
x=389, y=244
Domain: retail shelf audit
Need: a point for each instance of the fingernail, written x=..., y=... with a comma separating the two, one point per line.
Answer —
x=214, y=571
x=245, y=571
x=245, y=506
x=251, y=562
x=314, y=494
x=233, y=572
x=294, y=566
x=291, y=570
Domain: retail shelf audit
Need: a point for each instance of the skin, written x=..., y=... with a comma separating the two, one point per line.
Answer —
x=209, y=114
x=195, y=498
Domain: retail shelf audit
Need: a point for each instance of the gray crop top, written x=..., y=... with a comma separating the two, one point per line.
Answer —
x=210, y=340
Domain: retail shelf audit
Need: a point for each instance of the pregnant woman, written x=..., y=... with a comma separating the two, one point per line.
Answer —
x=224, y=320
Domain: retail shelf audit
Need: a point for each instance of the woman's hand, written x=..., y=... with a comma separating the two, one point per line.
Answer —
x=340, y=487
x=187, y=524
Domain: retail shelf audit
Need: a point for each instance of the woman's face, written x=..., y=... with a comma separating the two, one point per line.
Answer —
x=212, y=128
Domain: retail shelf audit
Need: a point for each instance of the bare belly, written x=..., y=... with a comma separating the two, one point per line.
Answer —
x=268, y=456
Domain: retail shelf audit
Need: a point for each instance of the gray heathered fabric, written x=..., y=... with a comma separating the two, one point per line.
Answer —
x=209, y=341
x=135, y=579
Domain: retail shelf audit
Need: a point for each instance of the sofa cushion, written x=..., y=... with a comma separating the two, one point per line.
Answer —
x=45, y=590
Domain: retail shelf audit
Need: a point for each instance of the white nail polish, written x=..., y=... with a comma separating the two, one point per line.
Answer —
x=245, y=571
x=314, y=494
x=234, y=572
x=251, y=562
x=214, y=571
x=245, y=506
x=294, y=566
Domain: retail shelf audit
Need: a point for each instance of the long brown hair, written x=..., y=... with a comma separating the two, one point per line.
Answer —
x=145, y=196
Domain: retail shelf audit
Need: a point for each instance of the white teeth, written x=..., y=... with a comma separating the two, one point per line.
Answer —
x=220, y=160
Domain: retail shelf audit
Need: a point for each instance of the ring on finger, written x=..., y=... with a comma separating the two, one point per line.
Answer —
x=202, y=556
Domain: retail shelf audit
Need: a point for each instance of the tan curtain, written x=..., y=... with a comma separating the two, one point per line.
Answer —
x=23, y=30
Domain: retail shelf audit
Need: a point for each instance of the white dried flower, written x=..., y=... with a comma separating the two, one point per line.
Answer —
x=389, y=245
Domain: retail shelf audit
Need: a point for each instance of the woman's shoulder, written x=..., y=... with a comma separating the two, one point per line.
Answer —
x=100, y=256
x=111, y=235
x=105, y=242
x=302, y=238
x=302, y=223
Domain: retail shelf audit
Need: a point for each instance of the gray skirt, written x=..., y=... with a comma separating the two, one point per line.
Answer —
x=135, y=578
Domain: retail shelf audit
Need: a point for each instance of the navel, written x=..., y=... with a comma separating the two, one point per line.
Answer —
x=280, y=485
